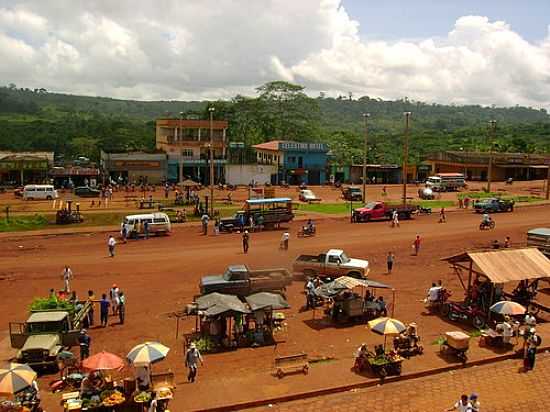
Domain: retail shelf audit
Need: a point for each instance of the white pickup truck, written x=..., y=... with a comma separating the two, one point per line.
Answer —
x=333, y=264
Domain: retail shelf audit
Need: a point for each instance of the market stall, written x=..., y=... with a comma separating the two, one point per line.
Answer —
x=224, y=321
x=18, y=389
x=105, y=386
x=343, y=303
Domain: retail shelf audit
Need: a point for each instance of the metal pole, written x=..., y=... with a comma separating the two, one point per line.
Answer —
x=211, y=110
x=493, y=124
x=548, y=181
x=406, y=155
x=366, y=116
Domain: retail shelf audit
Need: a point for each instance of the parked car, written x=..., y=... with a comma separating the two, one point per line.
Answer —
x=39, y=192
x=241, y=281
x=308, y=196
x=159, y=224
x=332, y=264
x=380, y=210
x=493, y=205
x=86, y=191
x=352, y=193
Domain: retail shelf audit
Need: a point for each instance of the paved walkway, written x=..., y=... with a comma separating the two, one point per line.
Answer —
x=501, y=386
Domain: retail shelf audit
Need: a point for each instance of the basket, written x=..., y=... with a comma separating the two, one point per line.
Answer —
x=457, y=340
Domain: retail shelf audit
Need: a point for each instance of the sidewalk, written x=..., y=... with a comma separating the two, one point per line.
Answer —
x=233, y=391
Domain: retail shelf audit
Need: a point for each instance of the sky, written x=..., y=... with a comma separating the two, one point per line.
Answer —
x=444, y=51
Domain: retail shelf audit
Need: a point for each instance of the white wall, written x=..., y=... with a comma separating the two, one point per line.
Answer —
x=244, y=174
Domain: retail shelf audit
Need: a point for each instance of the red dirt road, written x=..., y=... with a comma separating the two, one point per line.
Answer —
x=159, y=276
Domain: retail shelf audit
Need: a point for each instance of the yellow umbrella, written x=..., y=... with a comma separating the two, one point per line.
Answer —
x=387, y=326
x=16, y=378
x=147, y=353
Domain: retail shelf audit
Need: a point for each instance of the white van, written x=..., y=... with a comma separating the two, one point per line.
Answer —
x=158, y=224
x=40, y=192
x=446, y=182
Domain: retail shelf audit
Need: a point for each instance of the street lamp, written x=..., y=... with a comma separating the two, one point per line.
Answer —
x=406, y=154
x=211, y=112
x=366, y=116
x=493, y=125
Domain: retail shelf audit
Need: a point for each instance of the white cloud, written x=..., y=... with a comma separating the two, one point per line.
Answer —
x=217, y=48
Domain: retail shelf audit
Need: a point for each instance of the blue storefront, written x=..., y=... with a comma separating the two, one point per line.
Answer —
x=303, y=163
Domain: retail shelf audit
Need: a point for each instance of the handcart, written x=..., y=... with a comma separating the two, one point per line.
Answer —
x=456, y=344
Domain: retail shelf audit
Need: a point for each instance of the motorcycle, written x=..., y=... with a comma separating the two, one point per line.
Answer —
x=487, y=225
x=461, y=312
x=424, y=210
x=307, y=232
x=437, y=306
x=406, y=347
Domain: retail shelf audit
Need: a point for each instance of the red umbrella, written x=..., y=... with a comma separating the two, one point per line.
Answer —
x=103, y=361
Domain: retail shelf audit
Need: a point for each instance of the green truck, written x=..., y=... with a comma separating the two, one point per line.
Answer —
x=46, y=333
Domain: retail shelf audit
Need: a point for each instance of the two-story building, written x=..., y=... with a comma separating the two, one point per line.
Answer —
x=296, y=162
x=187, y=144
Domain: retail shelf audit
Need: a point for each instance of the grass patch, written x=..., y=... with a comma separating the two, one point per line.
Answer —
x=21, y=223
x=478, y=195
x=439, y=341
x=475, y=333
x=328, y=208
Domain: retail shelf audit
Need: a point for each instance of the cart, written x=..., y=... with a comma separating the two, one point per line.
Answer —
x=456, y=344
x=385, y=364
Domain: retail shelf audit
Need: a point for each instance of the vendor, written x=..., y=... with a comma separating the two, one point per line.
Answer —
x=433, y=293
x=91, y=385
x=143, y=377
x=361, y=357
x=505, y=329
x=412, y=334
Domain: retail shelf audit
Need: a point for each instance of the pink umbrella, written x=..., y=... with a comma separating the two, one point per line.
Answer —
x=103, y=361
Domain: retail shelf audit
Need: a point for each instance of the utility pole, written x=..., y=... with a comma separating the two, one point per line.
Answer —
x=177, y=142
x=366, y=116
x=493, y=124
x=211, y=111
x=406, y=155
x=548, y=180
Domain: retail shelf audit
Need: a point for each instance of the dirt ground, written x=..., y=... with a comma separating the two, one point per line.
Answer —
x=161, y=275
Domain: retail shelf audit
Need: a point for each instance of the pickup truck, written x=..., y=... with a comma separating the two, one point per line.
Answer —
x=241, y=281
x=380, y=210
x=331, y=264
x=352, y=193
x=46, y=333
x=493, y=205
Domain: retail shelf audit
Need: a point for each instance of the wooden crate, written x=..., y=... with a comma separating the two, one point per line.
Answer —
x=457, y=340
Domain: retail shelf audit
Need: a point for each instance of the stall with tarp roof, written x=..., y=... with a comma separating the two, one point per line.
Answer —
x=344, y=304
x=224, y=321
x=483, y=274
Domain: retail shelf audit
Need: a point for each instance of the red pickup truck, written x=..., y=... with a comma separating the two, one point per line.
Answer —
x=380, y=210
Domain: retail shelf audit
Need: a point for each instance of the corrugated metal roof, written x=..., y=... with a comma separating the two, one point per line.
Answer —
x=273, y=145
x=539, y=231
x=509, y=265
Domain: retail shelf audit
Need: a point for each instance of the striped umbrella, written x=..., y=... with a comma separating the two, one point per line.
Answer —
x=506, y=307
x=147, y=353
x=103, y=361
x=16, y=378
x=387, y=326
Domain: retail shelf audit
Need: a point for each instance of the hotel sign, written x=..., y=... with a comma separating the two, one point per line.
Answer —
x=24, y=165
x=135, y=164
x=305, y=147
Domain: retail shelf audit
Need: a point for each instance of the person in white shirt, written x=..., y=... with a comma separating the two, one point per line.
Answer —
x=67, y=276
x=463, y=405
x=111, y=244
x=434, y=292
x=507, y=330
x=530, y=320
x=284, y=240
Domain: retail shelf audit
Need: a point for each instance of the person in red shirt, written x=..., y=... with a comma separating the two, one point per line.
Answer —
x=416, y=245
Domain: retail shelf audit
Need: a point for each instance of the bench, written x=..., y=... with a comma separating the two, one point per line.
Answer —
x=291, y=364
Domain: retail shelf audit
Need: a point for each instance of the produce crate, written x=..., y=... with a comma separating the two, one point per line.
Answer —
x=163, y=380
x=457, y=340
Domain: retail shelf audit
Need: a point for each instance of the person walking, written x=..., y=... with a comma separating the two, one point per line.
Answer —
x=124, y=233
x=310, y=294
x=114, y=294
x=416, y=245
x=474, y=402
x=121, y=307
x=84, y=341
x=532, y=342
x=67, y=276
x=91, y=298
x=104, y=305
x=111, y=243
x=146, y=229
x=192, y=357
x=246, y=239
x=395, y=219
x=204, y=219
x=390, y=259
x=284, y=241
x=442, y=217
x=507, y=242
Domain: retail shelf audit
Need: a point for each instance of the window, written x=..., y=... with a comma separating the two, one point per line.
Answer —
x=187, y=152
x=291, y=159
x=333, y=259
x=159, y=220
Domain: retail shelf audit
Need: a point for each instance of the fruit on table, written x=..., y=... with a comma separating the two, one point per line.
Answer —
x=114, y=398
x=142, y=397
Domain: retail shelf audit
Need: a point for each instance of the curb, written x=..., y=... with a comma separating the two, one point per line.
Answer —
x=362, y=385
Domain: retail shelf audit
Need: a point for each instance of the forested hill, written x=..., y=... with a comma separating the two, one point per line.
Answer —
x=80, y=125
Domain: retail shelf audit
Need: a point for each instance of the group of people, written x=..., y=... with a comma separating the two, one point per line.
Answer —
x=466, y=404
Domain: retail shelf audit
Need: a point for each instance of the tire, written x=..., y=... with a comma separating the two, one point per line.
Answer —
x=48, y=198
x=445, y=309
x=452, y=316
x=492, y=224
x=478, y=322
x=365, y=218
